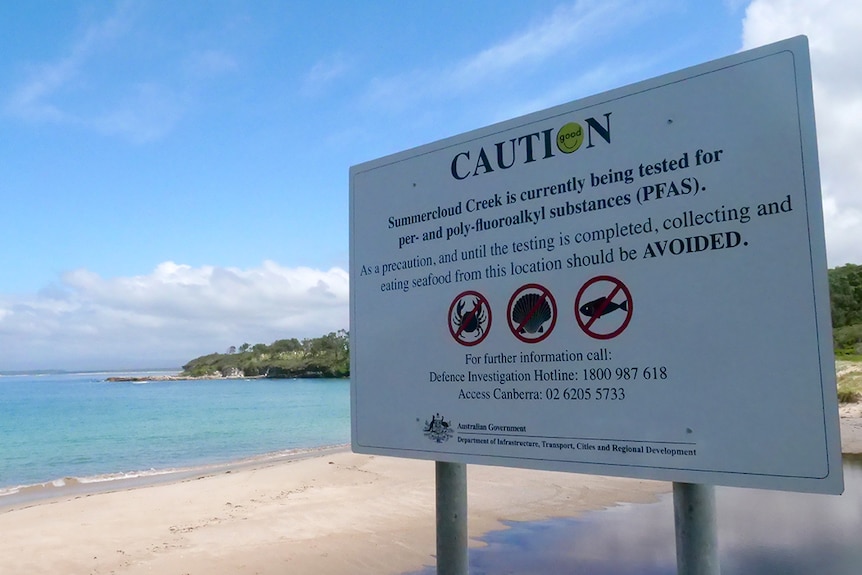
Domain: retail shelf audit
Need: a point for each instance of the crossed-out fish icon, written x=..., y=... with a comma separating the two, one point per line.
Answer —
x=592, y=308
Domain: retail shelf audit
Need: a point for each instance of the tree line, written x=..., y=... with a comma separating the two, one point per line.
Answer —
x=845, y=290
x=325, y=356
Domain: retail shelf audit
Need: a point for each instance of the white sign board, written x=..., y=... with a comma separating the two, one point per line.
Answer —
x=631, y=284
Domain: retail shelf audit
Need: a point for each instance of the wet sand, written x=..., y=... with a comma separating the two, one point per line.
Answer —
x=851, y=427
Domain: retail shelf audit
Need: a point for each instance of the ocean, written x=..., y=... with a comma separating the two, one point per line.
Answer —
x=79, y=428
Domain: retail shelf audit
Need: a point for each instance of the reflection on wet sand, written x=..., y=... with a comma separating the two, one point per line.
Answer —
x=760, y=533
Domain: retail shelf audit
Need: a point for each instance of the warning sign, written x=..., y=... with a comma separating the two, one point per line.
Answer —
x=469, y=318
x=603, y=307
x=655, y=247
x=532, y=313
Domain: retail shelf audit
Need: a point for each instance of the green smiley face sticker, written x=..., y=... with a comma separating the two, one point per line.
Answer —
x=570, y=137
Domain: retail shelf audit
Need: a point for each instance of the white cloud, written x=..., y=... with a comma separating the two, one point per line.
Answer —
x=168, y=316
x=563, y=32
x=596, y=78
x=566, y=27
x=324, y=73
x=34, y=99
x=147, y=113
x=210, y=63
x=832, y=27
x=132, y=102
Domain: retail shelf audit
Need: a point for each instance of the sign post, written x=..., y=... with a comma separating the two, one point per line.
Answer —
x=632, y=284
x=695, y=528
x=451, y=518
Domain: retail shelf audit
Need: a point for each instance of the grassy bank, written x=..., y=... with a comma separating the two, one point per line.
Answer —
x=849, y=375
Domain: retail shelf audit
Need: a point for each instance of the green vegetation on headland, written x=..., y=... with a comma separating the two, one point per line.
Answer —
x=845, y=296
x=326, y=356
x=849, y=375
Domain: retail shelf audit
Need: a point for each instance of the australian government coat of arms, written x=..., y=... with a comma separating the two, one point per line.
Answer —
x=438, y=429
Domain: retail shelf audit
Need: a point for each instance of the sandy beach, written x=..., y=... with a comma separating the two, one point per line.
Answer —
x=333, y=512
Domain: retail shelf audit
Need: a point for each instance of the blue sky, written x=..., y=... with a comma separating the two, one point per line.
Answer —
x=174, y=175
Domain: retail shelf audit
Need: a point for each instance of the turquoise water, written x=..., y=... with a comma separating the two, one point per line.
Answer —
x=58, y=426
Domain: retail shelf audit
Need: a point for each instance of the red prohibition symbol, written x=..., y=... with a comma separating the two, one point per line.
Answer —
x=469, y=318
x=532, y=313
x=603, y=307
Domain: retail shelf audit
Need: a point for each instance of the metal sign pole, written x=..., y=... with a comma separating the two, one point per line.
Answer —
x=451, y=518
x=696, y=534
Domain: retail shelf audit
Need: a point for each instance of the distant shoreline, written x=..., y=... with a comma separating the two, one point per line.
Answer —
x=47, y=372
x=141, y=378
x=134, y=378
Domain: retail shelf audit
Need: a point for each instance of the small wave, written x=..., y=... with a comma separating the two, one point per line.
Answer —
x=102, y=482
x=126, y=475
x=41, y=489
